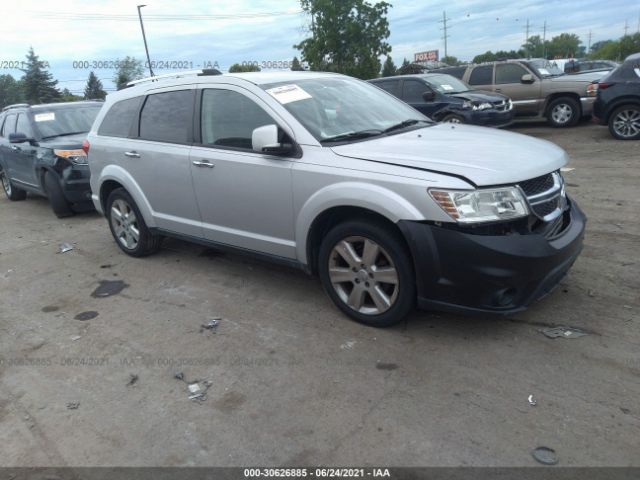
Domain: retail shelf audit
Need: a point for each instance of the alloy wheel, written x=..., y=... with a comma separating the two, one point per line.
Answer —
x=562, y=113
x=125, y=224
x=453, y=120
x=6, y=184
x=363, y=275
x=627, y=123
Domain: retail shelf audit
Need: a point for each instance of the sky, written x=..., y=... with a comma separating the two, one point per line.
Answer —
x=73, y=34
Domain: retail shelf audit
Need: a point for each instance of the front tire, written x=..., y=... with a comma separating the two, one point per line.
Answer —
x=128, y=227
x=14, y=194
x=366, y=270
x=58, y=203
x=452, y=118
x=624, y=122
x=563, y=112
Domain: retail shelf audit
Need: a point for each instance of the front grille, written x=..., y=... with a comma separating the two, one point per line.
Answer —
x=545, y=195
x=501, y=105
x=537, y=185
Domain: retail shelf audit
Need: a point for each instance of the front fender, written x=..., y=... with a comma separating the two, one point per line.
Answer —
x=351, y=194
x=121, y=176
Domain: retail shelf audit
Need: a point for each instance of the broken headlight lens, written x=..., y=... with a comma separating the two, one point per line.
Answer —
x=484, y=205
x=79, y=157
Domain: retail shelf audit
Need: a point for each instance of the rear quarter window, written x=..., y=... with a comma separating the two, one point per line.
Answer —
x=120, y=118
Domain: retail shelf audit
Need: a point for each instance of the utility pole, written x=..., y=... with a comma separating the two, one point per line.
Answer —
x=526, y=38
x=589, y=44
x=445, y=28
x=144, y=37
x=626, y=27
x=544, y=40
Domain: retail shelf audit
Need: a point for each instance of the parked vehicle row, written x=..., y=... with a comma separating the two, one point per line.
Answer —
x=325, y=173
x=538, y=89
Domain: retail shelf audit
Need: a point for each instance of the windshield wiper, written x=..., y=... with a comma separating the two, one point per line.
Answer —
x=404, y=124
x=353, y=135
x=62, y=135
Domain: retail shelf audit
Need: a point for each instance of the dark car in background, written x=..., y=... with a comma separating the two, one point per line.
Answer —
x=444, y=98
x=41, y=152
x=618, y=100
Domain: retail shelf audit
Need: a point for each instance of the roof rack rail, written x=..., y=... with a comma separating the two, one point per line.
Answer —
x=16, y=105
x=200, y=73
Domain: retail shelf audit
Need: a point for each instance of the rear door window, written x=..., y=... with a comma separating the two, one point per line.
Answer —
x=9, y=125
x=168, y=117
x=390, y=86
x=120, y=118
x=24, y=126
x=482, y=75
x=509, y=73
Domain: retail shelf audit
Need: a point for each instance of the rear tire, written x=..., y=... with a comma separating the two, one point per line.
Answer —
x=128, y=227
x=14, y=194
x=563, y=112
x=57, y=200
x=367, y=271
x=624, y=122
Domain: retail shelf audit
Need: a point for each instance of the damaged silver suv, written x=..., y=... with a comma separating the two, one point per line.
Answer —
x=335, y=176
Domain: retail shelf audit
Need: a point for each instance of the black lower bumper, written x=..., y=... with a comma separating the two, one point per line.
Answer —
x=491, y=118
x=75, y=184
x=469, y=273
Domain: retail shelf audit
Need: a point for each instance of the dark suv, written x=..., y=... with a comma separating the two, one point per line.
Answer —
x=41, y=151
x=445, y=98
x=618, y=100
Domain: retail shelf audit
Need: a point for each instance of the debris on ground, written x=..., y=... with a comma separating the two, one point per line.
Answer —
x=532, y=401
x=73, y=405
x=591, y=293
x=179, y=376
x=211, y=325
x=198, y=390
x=108, y=288
x=133, y=379
x=65, y=247
x=564, y=332
x=567, y=169
x=83, y=316
x=545, y=455
x=76, y=337
x=348, y=345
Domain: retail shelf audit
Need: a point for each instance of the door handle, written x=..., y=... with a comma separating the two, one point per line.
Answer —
x=132, y=154
x=498, y=89
x=203, y=163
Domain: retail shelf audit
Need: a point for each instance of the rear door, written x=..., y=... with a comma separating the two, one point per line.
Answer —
x=525, y=96
x=8, y=150
x=25, y=154
x=245, y=197
x=481, y=78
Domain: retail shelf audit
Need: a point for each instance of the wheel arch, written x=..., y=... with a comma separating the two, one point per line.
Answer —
x=619, y=102
x=556, y=95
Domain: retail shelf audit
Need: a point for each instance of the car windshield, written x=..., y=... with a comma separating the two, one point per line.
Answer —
x=447, y=84
x=544, y=68
x=344, y=109
x=56, y=121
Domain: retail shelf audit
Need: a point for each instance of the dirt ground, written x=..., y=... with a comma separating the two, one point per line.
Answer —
x=292, y=381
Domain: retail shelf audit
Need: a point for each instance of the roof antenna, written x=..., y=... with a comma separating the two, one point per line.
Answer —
x=144, y=37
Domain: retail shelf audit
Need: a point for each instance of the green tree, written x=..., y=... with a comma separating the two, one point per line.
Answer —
x=38, y=84
x=129, y=69
x=450, y=60
x=249, y=67
x=295, y=65
x=67, y=96
x=563, y=46
x=93, y=90
x=389, y=68
x=347, y=36
x=598, y=45
x=10, y=91
x=535, y=47
x=408, y=68
x=487, y=56
x=618, y=49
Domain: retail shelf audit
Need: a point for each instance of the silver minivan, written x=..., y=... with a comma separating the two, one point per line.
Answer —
x=335, y=176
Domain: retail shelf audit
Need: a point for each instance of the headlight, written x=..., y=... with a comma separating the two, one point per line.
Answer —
x=79, y=157
x=476, y=106
x=485, y=205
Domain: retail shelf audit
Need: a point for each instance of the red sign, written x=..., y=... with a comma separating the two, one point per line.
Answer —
x=428, y=56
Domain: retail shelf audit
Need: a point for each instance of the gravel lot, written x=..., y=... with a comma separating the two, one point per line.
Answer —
x=294, y=382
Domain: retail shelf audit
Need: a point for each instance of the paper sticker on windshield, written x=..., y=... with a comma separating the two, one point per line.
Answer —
x=288, y=93
x=44, y=117
x=544, y=71
x=447, y=87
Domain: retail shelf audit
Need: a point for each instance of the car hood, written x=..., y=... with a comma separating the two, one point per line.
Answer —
x=65, y=142
x=484, y=156
x=479, y=96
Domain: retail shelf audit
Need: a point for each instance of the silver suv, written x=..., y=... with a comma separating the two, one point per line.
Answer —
x=335, y=176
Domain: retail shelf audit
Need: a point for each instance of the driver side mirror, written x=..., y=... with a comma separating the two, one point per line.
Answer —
x=428, y=96
x=265, y=140
x=527, y=78
x=19, y=138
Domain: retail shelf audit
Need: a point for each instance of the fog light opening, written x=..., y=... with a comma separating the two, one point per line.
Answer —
x=505, y=297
